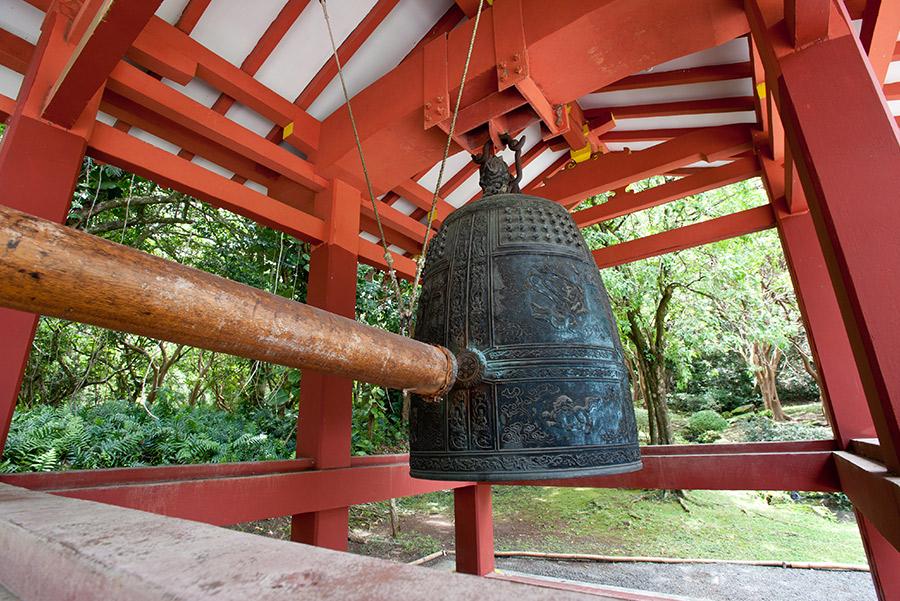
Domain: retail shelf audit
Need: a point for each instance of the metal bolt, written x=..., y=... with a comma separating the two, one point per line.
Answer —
x=516, y=56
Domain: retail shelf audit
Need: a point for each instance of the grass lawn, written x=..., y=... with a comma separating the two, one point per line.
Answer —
x=718, y=525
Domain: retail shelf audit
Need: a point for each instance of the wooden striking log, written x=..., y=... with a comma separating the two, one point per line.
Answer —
x=54, y=270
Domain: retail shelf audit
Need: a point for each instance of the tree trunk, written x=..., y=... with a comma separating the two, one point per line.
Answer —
x=200, y=383
x=651, y=367
x=765, y=359
x=813, y=370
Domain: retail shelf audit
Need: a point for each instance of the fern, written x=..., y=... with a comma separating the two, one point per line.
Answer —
x=120, y=434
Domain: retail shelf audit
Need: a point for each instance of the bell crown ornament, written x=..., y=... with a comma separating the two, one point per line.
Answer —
x=542, y=392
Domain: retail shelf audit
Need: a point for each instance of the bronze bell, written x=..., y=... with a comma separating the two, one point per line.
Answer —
x=542, y=391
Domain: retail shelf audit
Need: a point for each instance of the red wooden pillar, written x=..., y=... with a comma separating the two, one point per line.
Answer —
x=845, y=146
x=326, y=402
x=884, y=560
x=474, y=524
x=39, y=165
x=844, y=143
x=845, y=401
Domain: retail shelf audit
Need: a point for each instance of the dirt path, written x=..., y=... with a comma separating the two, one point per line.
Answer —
x=703, y=582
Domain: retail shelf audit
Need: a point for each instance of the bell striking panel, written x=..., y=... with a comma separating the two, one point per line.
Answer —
x=542, y=391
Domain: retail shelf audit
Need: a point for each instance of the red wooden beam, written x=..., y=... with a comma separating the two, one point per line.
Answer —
x=842, y=389
x=272, y=490
x=154, y=95
x=445, y=24
x=109, y=33
x=666, y=109
x=880, y=26
x=689, y=236
x=39, y=166
x=627, y=203
x=614, y=170
x=159, y=40
x=267, y=43
x=118, y=148
x=137, y=116
x=828, y=95
x=420, y=196
x=392, y=134
x=15, y=53
x=678, y=77
x=806, y=21
x=809, y=467
x=191, y=14
x=875, y=492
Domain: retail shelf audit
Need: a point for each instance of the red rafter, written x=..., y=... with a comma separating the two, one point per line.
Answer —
x=709, y=179
x=346, y=50
x=689, y=236
x=191, y=14
x=681, y=77
x=263, y=49
x=666, y=109
x=617, y=169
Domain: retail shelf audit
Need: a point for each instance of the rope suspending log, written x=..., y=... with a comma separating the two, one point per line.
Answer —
x=54, y=270
x=406, y=309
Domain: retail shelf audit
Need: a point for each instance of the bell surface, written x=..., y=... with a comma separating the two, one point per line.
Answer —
x=511, y=289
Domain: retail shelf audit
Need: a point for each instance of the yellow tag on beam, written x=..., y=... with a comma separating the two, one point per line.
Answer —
x=288, y=131
x=761, y=90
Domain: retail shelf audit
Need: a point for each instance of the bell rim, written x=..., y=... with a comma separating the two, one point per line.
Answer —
x=527, y=476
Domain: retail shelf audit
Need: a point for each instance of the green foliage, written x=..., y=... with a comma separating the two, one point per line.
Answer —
x=702, y=423
x=761, y=429
x=122, y=434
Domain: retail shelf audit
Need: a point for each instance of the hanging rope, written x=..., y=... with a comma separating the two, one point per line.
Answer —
x=420, y=264
x=406, y=310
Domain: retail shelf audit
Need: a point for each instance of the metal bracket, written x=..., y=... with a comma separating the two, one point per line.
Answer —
x=436, y=92
x=513, y=68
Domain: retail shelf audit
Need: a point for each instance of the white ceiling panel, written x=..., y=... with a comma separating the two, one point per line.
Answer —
x=170, y=10
x=21, y=19
x=695, y=91
x=676, y=121
x=404, y=206
x=306, y=47
x=537, y=166
x=735, y=51
x=392, y=40
x=893, y=74
x=144, y=136
x=207, y=164
x=231, y=28
x=250, y=119
x=639, y=145
x=10, y=82
x=455, y=162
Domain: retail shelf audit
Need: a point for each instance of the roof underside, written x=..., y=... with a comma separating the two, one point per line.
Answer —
x=283, y=44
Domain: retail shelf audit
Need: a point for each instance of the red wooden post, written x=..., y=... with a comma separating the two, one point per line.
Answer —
x=326, y=402
x=884, y=560
x=39, y=165
x=845, y=401
x=827, y=94
x=474, y=529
